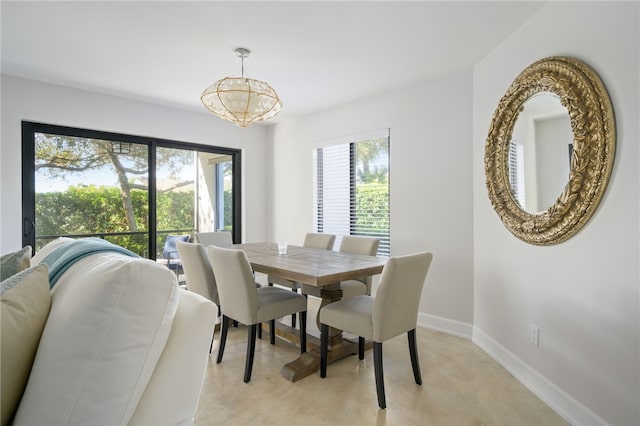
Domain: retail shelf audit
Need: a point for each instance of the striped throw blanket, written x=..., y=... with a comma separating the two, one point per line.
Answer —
x=62, y=258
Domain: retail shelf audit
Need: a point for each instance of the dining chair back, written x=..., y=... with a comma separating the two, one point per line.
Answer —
x=358, y=245
x=198, y=273
x=217, y=238
x=236, y=284
x=319, y=240
x=395, y=308
x=197, y=270
x=244, y=302
x=393, y=311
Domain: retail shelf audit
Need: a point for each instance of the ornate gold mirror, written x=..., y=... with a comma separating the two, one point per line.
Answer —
x=552, y=137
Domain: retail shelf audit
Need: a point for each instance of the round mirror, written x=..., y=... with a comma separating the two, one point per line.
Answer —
x=550, y=150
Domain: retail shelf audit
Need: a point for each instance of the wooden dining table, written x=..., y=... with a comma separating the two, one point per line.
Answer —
x=320, y=272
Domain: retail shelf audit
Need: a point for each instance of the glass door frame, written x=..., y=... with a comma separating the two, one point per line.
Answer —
x=29, y=129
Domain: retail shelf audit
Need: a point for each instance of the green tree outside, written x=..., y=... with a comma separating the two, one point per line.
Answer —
x=372, y=204
x=84, y=209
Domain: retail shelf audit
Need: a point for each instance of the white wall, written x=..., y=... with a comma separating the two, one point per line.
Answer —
x=430, y=179
x=583, y=293
x=39, y=102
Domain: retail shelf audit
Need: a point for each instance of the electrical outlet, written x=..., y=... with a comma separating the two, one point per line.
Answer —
x=534, y=335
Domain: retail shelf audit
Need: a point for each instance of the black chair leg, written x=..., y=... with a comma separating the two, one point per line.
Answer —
x=324, y=348
x=413, y=351
x=235, y=324
x=223, y=337
x=293, y=316
x=214, y=330
x=303, y=332
x=377, y=363
x=360, y=347
x=251, y=349
x=272, y=332
x=260, y=331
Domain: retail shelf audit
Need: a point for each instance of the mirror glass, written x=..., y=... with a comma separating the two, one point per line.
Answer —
x=540, y=152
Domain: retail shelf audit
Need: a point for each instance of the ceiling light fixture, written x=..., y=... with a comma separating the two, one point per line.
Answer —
x=241, y=100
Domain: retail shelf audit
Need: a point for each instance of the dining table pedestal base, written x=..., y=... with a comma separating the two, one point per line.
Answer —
x=308, y=363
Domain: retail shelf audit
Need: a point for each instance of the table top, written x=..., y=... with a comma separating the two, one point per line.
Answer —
x=314, y=267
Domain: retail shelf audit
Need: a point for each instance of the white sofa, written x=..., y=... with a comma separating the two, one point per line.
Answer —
x=122, y=344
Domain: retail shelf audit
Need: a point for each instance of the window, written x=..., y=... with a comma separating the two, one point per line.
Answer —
x=130, y=190
x=351, y=188
x=516, y=171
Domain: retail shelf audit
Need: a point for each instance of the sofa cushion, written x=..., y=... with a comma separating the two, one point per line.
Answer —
x=12, y=263
x=24, y=306
x=109, y=322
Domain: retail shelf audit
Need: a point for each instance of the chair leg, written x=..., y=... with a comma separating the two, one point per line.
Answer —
x=360, y=347
x=223, y=337
x=377, y=363
x=272, y=332
x=413, y=351
x=214, y=330
x=260, y=331
x=251, y=349
x=303, y=332
x=324, y=347
x=293, y=316
x=235, y=324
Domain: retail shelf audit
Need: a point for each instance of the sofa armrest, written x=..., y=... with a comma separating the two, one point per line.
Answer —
x=171, y=398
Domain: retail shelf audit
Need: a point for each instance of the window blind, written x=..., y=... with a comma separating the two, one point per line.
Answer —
x=351, y=189
x=516, y=171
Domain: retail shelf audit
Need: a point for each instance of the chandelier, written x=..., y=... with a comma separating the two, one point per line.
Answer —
x=241, y=100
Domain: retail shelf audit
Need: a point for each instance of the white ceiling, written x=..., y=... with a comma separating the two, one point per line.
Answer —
x=314, y=54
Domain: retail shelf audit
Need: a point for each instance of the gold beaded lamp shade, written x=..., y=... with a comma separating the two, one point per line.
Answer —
x=241, y=100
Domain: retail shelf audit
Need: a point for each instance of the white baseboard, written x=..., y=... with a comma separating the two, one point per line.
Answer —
x=566, y=406
x=445, y=325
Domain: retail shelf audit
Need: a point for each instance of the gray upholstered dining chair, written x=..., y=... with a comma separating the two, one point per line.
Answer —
x=245, y=303
x=198, y=273
x=393, y=311
x=312, y=240
x=200, y=278
x=358, y=245
x=217, y=238
x=221, y=239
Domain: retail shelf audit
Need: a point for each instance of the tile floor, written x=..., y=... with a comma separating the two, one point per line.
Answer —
x=462, y=385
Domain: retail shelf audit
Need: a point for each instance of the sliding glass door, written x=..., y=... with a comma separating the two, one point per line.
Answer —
x=194, y=192
x=130, y=190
